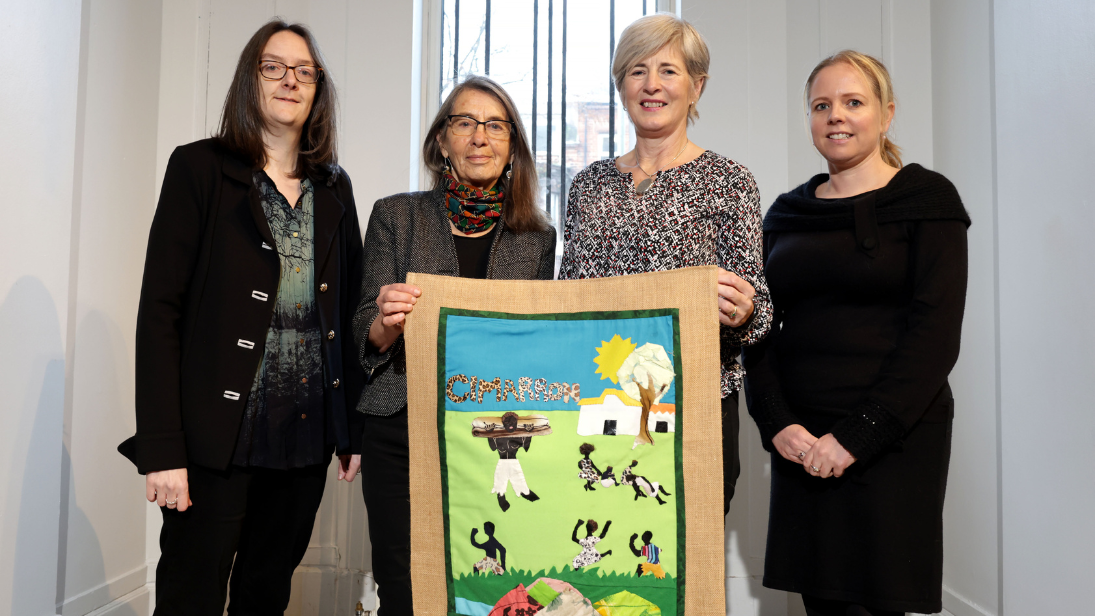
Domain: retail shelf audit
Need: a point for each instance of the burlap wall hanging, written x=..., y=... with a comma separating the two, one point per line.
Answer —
x=565, y=446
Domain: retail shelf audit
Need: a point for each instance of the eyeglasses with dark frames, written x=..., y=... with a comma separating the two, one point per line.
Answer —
x=272, y=70
x=465, y=126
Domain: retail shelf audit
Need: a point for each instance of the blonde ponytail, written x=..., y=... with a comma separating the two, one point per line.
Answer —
x=891, y=154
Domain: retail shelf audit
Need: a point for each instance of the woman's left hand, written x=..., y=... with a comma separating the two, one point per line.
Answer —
x=348, y=466
x=829, y=457
x=735, y=299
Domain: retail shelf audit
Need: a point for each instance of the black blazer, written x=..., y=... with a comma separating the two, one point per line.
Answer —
x=210, y=280
x=410, y=232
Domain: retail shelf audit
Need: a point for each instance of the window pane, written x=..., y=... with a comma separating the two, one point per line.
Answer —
x=463, y=41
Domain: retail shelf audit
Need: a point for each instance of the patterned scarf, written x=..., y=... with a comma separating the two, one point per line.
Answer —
x=470, y=209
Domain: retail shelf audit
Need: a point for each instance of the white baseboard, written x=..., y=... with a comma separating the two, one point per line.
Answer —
x=137, y=603
x=106, y=594
x=960, y=606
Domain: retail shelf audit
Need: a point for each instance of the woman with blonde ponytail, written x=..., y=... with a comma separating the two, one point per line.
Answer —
x=867, y=269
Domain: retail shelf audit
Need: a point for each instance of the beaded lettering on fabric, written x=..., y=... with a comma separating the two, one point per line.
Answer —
x=472, y=210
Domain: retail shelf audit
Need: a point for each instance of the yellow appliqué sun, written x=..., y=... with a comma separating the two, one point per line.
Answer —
x=611, y=356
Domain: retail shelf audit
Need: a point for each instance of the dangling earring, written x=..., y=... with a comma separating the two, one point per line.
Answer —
x=509, y=172
x=448, y=164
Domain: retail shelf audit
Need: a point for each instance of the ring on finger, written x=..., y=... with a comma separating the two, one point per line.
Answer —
x=815, y=469
x=802, y=455
x=734, y=313
x=171, y=503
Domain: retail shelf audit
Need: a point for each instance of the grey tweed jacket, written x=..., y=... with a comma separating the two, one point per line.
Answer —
x=410, y=232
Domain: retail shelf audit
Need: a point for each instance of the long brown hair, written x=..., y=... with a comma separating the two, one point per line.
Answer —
x=876, y=75
x=520, y=211
x=242, y=123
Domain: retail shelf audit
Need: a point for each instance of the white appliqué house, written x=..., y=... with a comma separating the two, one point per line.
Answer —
x=614, y=412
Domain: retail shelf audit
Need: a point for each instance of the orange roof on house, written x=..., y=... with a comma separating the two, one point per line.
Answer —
x=664, y=407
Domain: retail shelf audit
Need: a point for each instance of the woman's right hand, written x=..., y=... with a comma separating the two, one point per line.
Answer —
x=394, y=301
x=793, y=442
x=168, y=489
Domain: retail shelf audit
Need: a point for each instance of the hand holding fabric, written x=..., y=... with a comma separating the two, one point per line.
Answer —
x=735, y=299
x=394, y=301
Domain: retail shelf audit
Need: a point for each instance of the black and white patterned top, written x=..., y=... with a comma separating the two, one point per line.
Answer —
x=704, y=212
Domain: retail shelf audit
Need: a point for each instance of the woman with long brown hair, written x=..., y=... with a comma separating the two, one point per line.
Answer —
x=246, y=373
x=480, y=220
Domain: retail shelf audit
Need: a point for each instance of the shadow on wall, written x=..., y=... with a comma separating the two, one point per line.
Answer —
x=32, y=379
x=102, y=504
x=36, y=523
x=87, y=564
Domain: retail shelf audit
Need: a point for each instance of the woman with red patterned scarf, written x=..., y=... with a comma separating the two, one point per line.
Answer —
x=481, y=220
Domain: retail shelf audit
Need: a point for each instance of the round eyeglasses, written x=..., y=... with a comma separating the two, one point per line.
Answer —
x=272, y=70
x=464, y=126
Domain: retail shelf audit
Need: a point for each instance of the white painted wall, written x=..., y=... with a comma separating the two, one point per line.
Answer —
x=964, y=151
x=103, y=559
x=38, y=133
x=1044, y=54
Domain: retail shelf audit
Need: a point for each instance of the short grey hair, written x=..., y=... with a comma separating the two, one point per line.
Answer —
x=646, y=35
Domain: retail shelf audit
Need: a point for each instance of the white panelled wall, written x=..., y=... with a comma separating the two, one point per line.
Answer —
x=992, y=93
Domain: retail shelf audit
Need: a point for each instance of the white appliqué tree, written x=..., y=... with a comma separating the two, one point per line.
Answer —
x=646, y=375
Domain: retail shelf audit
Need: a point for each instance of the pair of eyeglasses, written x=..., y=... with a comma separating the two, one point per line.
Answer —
x=464, y=126
x=272, y=70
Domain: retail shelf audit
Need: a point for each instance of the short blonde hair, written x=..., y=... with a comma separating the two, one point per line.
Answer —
x=877, y=77
x=646, y=35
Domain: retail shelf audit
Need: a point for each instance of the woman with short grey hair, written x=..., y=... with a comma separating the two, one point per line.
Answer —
x=481, y=220
x=669, y=203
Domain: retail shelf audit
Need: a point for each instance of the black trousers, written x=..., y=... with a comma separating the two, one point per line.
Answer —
x=731, y=462
x=262, y=517
x=385, y=481
x=826, y=607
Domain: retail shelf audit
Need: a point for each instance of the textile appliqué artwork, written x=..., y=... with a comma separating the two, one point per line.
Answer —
x=560, y=439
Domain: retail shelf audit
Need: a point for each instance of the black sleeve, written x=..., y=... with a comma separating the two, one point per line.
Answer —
x=926, y=352
x=354, y=375
x=174, y=244
x=763, y=395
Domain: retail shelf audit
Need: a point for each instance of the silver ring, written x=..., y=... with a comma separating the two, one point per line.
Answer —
x=171, y=502
x=802, y=455
x=815, y=469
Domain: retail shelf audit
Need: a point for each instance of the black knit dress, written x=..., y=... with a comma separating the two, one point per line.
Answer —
x=868, y=293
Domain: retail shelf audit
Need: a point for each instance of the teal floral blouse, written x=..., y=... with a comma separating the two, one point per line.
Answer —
x=284, y=423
